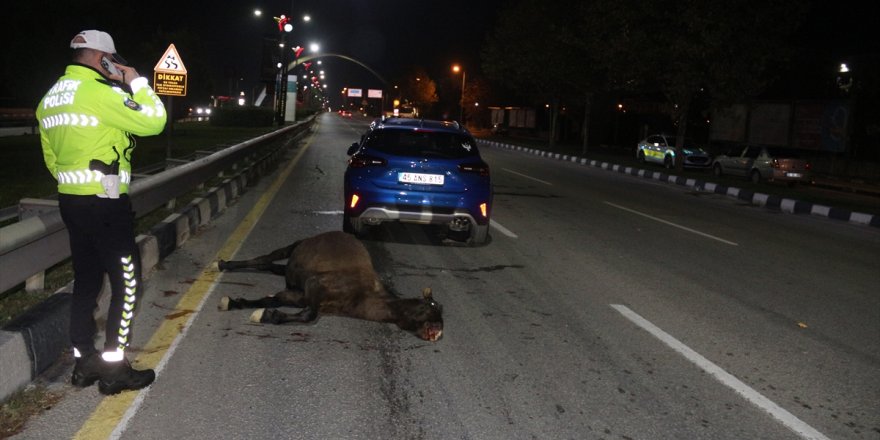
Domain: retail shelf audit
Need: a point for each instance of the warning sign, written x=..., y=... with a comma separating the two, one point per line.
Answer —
x=169, y=83
x=169, y=75
x=170, y=62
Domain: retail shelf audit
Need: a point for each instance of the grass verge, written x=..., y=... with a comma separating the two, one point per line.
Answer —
x=23, y=405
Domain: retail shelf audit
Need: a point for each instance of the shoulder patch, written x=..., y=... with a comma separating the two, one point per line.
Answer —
x=130, y=103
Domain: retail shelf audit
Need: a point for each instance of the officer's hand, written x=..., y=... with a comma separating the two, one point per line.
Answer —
x=128, y=73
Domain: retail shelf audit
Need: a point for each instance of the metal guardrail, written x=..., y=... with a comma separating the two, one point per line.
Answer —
x=40, y=240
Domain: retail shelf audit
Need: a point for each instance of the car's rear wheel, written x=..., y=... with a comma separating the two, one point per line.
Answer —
x=717, y=170
x=479, y=235
x=755, y=176
x=352, y=226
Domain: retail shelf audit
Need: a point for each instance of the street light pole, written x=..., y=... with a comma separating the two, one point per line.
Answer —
x=284, y=27
x=282, y=86
x=461, y=104
x=456, y=68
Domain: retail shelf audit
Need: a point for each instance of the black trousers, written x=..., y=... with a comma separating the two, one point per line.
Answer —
x=102, y=242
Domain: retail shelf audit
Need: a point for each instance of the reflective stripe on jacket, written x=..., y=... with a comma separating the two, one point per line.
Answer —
x=84, y=116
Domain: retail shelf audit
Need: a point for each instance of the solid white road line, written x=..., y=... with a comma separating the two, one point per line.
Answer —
x=786, y=418
x=502, y=229
x=528, y=177
x=684, y=228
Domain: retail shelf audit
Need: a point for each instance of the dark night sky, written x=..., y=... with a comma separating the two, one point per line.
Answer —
x=387, y=35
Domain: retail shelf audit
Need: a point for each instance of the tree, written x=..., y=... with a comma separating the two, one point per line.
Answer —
x=538, y=47
x=476, y=91
x=417, y=88
x=727, y=47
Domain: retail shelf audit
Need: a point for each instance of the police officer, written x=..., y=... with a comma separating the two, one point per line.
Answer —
x=87, y=120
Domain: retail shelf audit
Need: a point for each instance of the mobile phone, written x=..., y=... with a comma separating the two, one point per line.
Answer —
x=110, y=67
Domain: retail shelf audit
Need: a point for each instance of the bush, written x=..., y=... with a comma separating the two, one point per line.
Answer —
x=242, y=117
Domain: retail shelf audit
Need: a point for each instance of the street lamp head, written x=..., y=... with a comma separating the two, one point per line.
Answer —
x=456, y=68
x=314, y=47
x=307, y=18
x=258, y=13
x=844, y=68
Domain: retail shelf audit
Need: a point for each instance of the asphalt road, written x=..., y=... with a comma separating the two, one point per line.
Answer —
x=605, y=307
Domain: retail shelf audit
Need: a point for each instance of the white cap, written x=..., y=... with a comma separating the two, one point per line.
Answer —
x=97, y=40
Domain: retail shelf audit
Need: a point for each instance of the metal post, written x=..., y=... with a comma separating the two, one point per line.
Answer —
x=461, y=102
x=170, y=127
x=282, y=92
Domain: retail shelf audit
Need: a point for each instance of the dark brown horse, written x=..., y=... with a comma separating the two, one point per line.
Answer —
x=332, y=274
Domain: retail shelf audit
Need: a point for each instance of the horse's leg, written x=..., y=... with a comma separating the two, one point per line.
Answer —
x=289, y=298
x=309, y=300
x=263, y=262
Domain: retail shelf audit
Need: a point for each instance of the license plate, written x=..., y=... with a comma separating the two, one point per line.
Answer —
x=797, y=175
x=421, y=179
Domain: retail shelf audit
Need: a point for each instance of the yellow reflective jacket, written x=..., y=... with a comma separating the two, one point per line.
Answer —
x=84, y=116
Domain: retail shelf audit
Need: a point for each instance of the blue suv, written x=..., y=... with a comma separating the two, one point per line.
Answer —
x=418, y=171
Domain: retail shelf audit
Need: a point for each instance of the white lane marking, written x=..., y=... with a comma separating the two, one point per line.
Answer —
x=786, y=418
x=684, y=228
x=328, y=212
x=502, y=229
x=528, y=177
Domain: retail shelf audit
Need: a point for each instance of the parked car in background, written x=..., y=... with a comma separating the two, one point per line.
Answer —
x=762, y=163
x=660, y=149
x=418, y=171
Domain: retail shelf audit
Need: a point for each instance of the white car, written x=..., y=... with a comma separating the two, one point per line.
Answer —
x=660, y=149
x=761, y=163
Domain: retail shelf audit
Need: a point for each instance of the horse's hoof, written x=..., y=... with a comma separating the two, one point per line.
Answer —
x=257, y=316
x=221, y=265
x=224, y=304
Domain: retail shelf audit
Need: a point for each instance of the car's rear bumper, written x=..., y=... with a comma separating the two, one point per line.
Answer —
x=790, y=175
x=377, y=214
x=697, y=163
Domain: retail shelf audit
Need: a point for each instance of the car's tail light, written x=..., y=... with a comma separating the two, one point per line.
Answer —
x=775, y=164
x=807, y=165
x=361, y=161
x=478, y=168
x=354, y=201
x=484, y=209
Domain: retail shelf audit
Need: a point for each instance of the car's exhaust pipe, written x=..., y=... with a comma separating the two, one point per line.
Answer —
x=459, y=224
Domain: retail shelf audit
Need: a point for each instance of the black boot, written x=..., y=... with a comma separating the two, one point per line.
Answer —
x=119, y=376
x=87, y=370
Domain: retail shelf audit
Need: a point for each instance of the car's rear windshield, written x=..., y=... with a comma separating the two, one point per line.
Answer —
x=422, y=143
x=783, y=153
x=689, y=144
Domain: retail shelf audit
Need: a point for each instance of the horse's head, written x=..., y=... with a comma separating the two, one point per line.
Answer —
x=423, y=317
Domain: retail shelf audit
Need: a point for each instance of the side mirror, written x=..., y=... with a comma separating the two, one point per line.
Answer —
x=353, y=148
